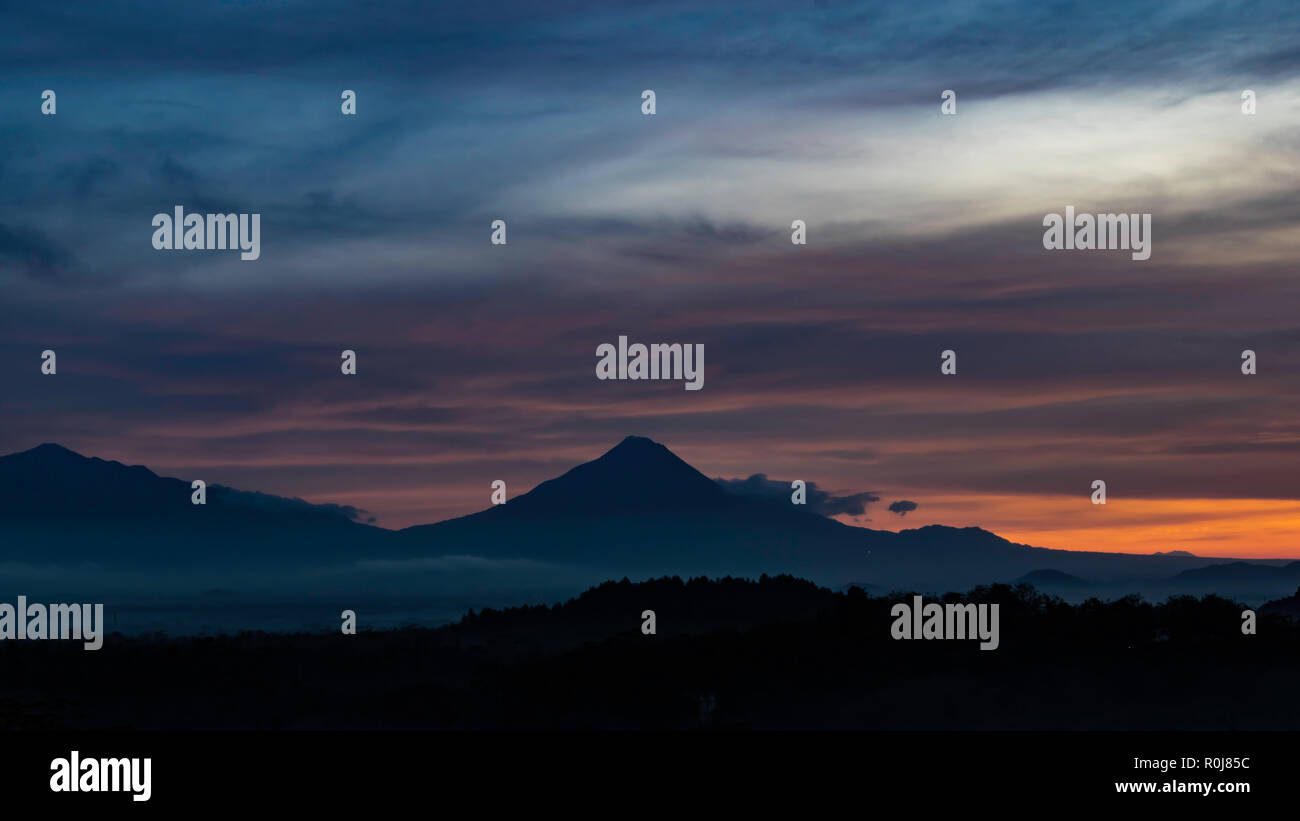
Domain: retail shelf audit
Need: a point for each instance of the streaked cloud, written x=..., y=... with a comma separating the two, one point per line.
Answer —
x=476, y=362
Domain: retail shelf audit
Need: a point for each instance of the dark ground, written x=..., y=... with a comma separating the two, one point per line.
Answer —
x=776, y=654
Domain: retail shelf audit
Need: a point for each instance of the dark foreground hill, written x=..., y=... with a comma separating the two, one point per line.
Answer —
x=780, y=653
x=1288, y=606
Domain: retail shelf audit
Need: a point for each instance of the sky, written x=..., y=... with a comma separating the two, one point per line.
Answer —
x=476, y=362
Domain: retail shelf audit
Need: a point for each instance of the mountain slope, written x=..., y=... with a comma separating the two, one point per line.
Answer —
x=59, y=506
x=636, y=475
x=639, y=508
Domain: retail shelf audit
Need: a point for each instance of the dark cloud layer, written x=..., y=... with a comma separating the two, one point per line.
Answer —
x=821, y=502
x=902, y=507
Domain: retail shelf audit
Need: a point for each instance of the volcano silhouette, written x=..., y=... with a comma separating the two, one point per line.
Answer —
x=636, y=475
x=641, y=509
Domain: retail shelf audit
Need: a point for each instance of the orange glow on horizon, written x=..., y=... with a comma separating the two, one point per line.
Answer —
x=1229, y=528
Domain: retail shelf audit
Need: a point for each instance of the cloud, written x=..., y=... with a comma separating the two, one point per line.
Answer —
x=821, y=502
x=450, y=562
x=267, y=502
x=32, y=252
x=901, y=507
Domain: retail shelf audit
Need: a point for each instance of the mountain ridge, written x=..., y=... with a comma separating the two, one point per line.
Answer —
x=636, y=509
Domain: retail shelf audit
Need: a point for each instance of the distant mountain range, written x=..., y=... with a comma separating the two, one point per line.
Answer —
x=1243, y=572
x=1051, y=578
x=638, y=510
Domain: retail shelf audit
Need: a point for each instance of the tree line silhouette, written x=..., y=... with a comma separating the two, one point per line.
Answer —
x=776, y=653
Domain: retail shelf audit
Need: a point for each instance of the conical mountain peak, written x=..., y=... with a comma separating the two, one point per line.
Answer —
x=636, y=474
